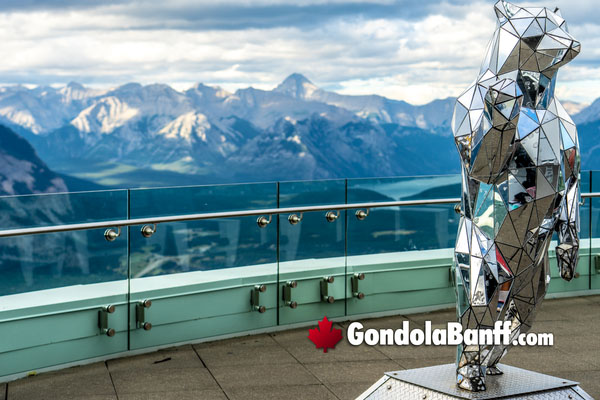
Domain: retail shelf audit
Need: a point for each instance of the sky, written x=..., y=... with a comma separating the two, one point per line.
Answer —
x=415, y=51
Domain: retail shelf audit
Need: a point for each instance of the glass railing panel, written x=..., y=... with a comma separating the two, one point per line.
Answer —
x=404, y=253
x=310, y=250
x=395, y=229
x=41, y=262
x=199, y=274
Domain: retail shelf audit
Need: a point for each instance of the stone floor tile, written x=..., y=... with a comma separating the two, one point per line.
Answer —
x=544, y=360
x=209, y=394
x=177, y=357
x=148, y=380
x=297, y=343
x=424, y=352
x=349, y=391
x=301, y=392
x=85, y=381
x=244, y=351
x=410, y=363
x=246, y=376
x=351, y=371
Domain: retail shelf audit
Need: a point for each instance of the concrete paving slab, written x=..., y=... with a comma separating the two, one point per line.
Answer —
x=351, y=371
x=349, y=391
x=436, y=317
x=244, y=376
x=149, y=380
x=101, y=397
x=84, y=381
x=544, y=360
x=297, y=343
x=419, y=362
x=424, y=352
x=301, y=392
x=177, y=357
x=254, y=350
x=211, y=394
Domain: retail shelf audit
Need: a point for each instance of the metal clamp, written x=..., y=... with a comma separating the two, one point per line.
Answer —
x=332, y=216
x=103, y=321
x=287, y=294
x=325, y=289
x=140, y=315
x=362, y=214
x=263, y=221
x=111, y=235
x=295, y=219
x=255, y=298
x=354, y=280
x=148, y=230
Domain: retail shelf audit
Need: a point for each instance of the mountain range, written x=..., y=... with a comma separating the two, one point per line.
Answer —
x=154, y=135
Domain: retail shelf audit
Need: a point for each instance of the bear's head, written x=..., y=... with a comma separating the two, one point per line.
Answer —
x=529, y=39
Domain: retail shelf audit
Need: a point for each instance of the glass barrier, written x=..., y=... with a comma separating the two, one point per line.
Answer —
x=395, y=229
x=197, y=279
x=312, y=247
x=36, y=263
x=206, y=245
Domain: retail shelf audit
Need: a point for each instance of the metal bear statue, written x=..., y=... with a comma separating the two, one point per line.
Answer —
x=520, y=182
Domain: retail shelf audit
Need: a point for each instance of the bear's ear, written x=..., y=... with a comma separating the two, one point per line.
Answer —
x=557, y=12
x=505, y=10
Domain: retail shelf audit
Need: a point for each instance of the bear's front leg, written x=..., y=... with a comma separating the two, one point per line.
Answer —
x=567, y=251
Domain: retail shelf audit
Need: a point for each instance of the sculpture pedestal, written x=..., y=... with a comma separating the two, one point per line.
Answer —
x=439, y=382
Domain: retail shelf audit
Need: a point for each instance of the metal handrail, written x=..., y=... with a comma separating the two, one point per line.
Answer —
x=214, y=215
x=227, y=214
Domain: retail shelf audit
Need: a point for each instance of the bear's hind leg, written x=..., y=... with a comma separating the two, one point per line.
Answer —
x=470, y=374
x=471, y=377
x=493, y=370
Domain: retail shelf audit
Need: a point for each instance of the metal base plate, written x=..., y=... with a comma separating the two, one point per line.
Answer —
x=439, y=382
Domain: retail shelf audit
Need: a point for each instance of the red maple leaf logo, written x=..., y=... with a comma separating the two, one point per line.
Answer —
x=324, y=337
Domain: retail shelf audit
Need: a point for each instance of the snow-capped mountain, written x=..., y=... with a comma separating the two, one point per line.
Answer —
x=588, y=114
x=21, y=171
x=136, y=135
x=433, y=116
x=222, y=136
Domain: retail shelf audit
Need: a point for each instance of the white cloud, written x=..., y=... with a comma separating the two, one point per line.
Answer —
x=417, y=58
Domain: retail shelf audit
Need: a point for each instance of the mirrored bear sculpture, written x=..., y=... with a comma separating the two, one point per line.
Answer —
x=520, y=182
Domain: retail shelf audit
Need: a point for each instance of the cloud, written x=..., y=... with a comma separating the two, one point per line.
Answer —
x=415, y=51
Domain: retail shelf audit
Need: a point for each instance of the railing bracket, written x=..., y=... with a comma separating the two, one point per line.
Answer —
x=148, y=230
x=140, y=315
x=255, y=298
x=332, y=216
x=354, y=281
x=103, y=321
x=287, y=294
x=111, y=235
x=263, y=221
x=362, y=214
x=325, y=282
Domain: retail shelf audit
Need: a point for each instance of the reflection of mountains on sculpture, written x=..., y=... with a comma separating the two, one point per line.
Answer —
x=153, y=135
